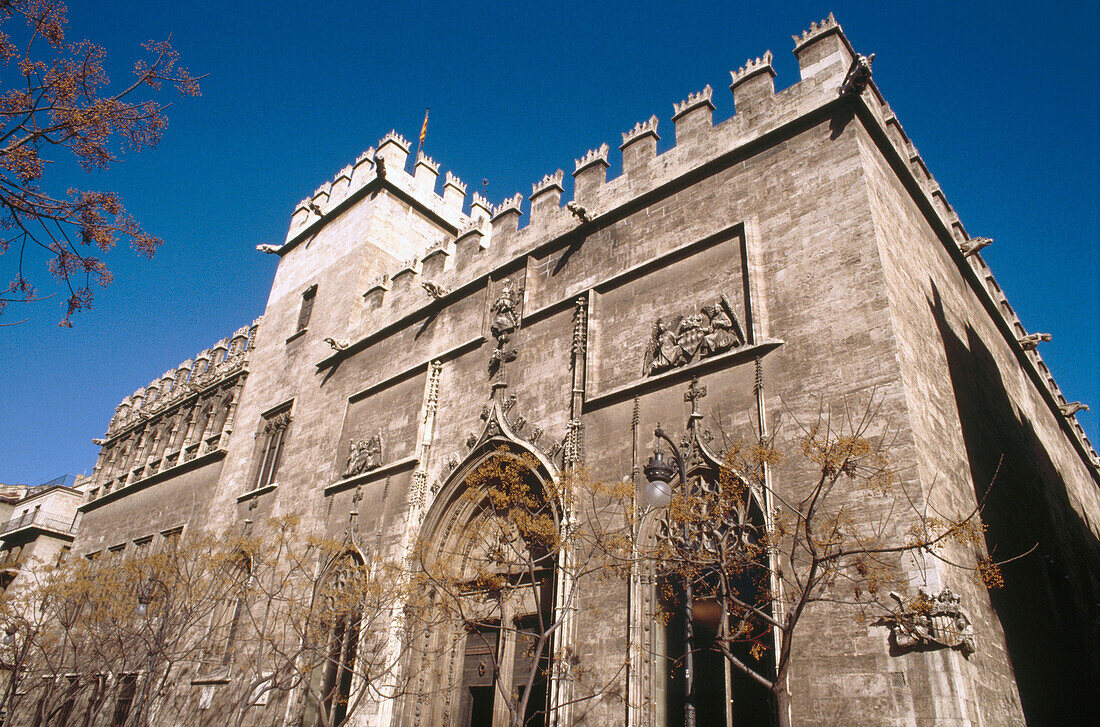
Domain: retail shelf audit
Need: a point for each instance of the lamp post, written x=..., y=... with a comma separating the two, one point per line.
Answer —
x=146, y=593
x=657, y=492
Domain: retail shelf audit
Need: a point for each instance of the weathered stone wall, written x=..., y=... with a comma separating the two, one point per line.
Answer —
x=813, y=215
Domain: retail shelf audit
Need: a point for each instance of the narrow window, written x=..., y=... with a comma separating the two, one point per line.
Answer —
x=307, y=307
x=127, y=688
x=274, y=432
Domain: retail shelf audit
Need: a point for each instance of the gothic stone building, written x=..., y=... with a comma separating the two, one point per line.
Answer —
x=798, y=255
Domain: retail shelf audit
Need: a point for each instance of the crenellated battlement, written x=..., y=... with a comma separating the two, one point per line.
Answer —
x=816, y=31
x=641, y=130
x=693, y=101
x=753, y=66
x=208, y=368
x=824, y=56
x=593, y=156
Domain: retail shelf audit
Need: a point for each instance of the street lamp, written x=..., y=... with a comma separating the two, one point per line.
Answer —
x=657, y=492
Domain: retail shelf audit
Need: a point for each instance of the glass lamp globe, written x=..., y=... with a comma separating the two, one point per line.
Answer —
x=657, y=493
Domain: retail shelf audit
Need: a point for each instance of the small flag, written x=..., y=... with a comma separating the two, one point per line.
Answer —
x=424, y=128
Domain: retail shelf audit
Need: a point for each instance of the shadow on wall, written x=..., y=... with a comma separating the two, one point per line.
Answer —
x=1049, y=606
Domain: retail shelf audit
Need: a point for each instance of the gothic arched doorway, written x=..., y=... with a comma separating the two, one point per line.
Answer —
x=489, y=567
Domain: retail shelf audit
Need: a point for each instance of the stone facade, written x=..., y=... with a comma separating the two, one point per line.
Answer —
x=796, y=255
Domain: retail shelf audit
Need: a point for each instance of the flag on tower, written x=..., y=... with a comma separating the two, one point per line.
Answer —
x=424, y=128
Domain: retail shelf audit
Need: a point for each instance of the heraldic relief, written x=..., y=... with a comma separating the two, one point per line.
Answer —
x=363, y=455
x=713, y=330
x=931, y=620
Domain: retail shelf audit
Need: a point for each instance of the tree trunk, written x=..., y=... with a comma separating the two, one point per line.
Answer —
x=782, y=705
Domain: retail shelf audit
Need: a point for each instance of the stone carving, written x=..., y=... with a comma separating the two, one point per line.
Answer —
x=577, y=211
x=930, y=621
x=268, y=249
x=859, y=75
x=434, y=290
x=277, y=422
x=337, y=344
x=471, y=441
x=505, y=311
x=974, y=245
x=713, y=330
x=1031, y=341
x=452, y=462
x=1072, y=408
x=363, y=455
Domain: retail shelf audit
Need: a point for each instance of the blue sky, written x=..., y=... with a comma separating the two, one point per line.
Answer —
x=1001, y=104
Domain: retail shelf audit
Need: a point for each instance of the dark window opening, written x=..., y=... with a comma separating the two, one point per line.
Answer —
x=127, y=688
x=307, y=307
x=274, y=432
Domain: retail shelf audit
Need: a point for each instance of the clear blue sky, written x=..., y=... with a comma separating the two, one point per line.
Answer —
x=1001, y=102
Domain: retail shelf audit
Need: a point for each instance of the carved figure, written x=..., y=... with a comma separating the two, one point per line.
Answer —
x=713, y=330
x=363, y=455
x=505, y=312
x=859, y=75
x=664, y=351
x=434, y=290
x=724, y=332
x=930, y=621
x=337, y=344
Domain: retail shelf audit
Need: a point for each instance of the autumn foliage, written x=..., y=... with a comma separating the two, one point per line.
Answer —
x=56, y=95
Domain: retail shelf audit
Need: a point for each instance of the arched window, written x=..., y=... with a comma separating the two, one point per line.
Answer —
x=342, y=613
x=706, y=553
x=226, y=619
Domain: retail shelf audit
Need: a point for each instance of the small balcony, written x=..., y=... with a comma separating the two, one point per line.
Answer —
x=39, y=520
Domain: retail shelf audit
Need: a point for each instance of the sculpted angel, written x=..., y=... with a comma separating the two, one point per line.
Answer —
x=664, y=351
x=722, y=332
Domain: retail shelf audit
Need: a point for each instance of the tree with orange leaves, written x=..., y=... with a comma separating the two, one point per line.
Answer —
x=60, y=99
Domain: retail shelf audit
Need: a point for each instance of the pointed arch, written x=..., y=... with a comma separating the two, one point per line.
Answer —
x=492, y=647
x=722, y=695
